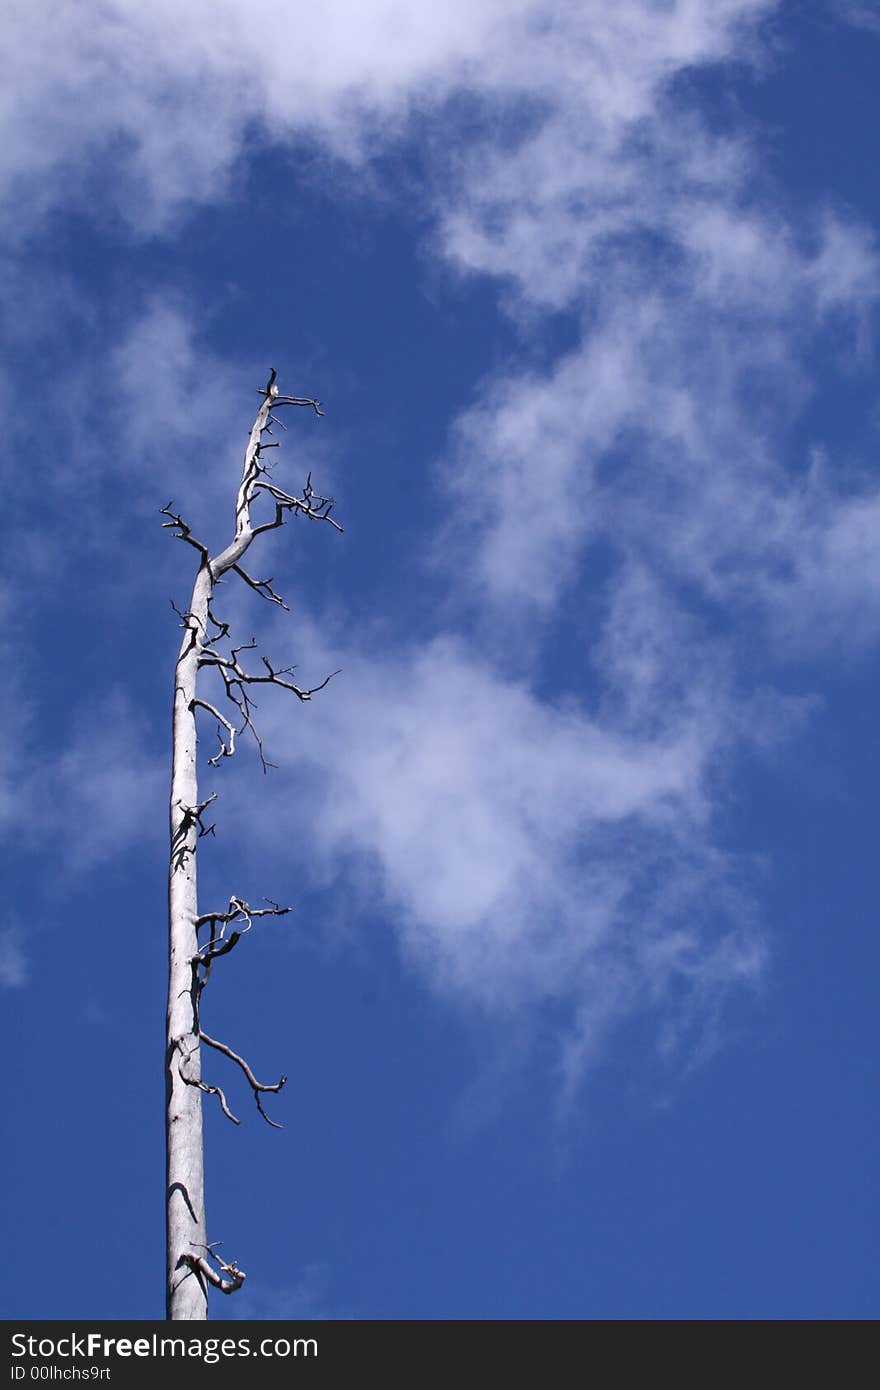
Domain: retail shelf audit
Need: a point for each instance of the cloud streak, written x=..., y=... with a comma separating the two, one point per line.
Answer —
x=13, y=963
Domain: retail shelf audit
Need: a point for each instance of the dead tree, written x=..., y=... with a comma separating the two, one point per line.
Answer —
x=197, y=939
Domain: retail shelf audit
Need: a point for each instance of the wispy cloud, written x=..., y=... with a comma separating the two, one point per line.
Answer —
x=525, y=851
x=168, y=99
x=530, y=850
x=862, y=13
x=108, y=783
x=13, y=962
x=307, y=1298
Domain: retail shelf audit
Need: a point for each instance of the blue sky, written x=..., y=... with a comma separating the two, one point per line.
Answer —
x=577, y=997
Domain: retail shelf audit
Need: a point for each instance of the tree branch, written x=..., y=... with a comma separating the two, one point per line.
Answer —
x=209, y=1090
x=236, y=680
x=311, y=504
x=216, y=1091
x=222, y=628
x=226, y=750
x=263, y=587
x=239, y=909
x=256, y=1086
x=190, y=816
x=218, y=944
x=200, y=1263
x=184, y=532
x=298, y=400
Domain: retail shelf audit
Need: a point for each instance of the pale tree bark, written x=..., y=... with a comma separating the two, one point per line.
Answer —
x=193, y=1264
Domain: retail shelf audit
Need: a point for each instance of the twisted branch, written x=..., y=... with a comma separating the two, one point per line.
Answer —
x=239, y=909
x=209, y=1090
x=183, y=531
x=256, y=1086
x=227, y=750
x=198, y=1263
x=218, y=943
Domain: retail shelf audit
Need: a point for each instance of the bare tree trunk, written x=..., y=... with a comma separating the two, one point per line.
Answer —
x=191, y=1260
x=185, y=1215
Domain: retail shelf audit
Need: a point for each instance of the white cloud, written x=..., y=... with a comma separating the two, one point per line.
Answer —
x=664, y=436
x=529, y=851
x=169, y=96
x=526, y=852
x=862, y=13
x=13, y=963
x=174, y=404
x=108, y=785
